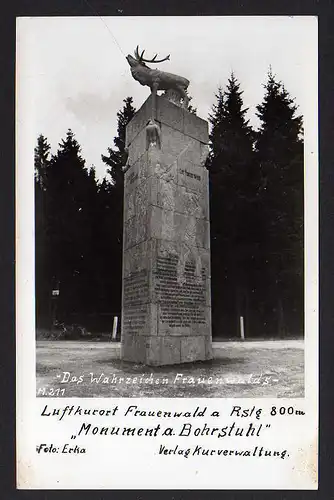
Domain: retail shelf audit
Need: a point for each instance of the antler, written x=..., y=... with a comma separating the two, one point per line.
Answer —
x=140, y=57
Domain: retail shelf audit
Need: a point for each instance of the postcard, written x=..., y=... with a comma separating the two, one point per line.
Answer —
x=167, y=252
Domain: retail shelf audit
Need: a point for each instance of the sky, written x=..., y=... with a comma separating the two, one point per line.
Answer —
x=72, y=71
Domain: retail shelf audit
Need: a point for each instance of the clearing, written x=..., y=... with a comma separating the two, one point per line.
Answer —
x=239, y=369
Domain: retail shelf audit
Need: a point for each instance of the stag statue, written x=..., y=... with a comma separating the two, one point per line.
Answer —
x=156, y=79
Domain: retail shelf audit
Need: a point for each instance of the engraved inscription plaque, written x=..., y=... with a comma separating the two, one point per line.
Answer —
x=182, y=304
x=135, y=298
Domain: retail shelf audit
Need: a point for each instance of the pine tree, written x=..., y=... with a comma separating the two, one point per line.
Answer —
x=233, y=189
x=231, y=158
x=71, y=200
x=41, y=160
x=108, y=265
x=111, y=207
x=41, y=163
x=279, y=152
x=231, y=134
x=116, y=158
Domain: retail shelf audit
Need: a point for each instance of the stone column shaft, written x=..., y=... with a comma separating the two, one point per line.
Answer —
x=166, y=304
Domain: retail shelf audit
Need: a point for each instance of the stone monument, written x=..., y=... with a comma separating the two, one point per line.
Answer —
x=166, y=304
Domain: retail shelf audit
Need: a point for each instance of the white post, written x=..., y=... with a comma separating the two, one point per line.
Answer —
x=242, y=330
x=114, y=328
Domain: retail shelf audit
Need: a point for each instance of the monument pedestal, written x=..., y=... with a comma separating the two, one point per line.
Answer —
x=166, y=305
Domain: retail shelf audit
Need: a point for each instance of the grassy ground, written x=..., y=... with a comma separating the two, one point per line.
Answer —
x=239, y=369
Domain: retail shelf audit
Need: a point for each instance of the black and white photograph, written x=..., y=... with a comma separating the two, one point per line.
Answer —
x=167, y=214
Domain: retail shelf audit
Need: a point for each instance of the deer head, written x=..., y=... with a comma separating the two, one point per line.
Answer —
x=139, y=58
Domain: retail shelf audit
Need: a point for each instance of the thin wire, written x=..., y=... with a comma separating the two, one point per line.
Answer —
x=113, y=36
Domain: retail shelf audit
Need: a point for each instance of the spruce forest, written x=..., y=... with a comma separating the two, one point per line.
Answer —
x=256, y=214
